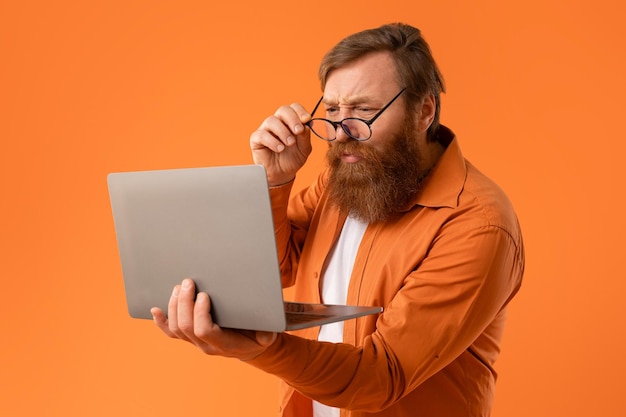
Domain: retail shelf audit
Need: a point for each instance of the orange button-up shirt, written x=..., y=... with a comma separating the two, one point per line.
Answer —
x=444, y=272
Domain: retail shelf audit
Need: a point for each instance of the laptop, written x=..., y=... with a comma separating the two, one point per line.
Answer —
x=213, y=225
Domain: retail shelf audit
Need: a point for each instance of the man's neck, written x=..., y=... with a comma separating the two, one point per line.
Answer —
x=431, y=152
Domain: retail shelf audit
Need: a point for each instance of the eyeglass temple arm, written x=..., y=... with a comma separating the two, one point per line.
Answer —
x=317, y=105
x=373, y=119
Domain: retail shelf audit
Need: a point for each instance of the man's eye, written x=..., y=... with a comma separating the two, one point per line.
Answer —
x=332, y=110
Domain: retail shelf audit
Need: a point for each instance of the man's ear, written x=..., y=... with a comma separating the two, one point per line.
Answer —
x=426, y=112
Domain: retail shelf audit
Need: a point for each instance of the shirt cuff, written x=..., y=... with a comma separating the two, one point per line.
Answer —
x=285, y=358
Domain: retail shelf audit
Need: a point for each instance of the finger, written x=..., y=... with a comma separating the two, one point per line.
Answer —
x=160, y=320
x=282, y=129
x=294, y=117
x=172, y=312
x=302, y=113
x=266, y=338
x=203, y=322
x=267, y=139
x=303, y=137
x=284, y=125
x=186, y=301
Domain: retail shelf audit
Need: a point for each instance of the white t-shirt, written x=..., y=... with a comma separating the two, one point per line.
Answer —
x=336, y=279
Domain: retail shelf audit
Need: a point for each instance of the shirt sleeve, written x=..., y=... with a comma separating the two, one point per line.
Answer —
x=292, y=218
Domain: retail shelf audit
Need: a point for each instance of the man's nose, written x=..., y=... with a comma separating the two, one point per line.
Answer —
x=341, y=134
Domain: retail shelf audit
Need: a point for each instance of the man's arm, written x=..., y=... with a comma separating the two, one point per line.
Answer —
x=442, y=307
x=292, y=218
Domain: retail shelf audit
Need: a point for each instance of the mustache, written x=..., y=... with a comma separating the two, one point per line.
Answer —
x=337, y=149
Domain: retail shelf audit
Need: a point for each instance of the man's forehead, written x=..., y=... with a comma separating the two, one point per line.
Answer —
x=365, y=94
x=331, y=98
x=371, y=78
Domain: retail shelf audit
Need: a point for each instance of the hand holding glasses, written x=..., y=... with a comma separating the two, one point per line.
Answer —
x=357, y=129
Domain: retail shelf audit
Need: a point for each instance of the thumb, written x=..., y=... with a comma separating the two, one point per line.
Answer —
x=265, y=339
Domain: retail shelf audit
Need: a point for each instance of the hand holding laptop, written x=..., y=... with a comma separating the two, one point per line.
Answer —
x=190, y=320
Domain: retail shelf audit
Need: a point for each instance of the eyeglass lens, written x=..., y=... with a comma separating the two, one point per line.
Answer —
x=355, y=128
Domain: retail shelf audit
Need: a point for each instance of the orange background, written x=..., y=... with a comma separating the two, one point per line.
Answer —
x=535, y=93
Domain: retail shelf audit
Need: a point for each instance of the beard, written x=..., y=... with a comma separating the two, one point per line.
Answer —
x=382, y=183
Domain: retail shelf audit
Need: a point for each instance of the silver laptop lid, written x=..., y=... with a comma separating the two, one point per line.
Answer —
x=213, y=225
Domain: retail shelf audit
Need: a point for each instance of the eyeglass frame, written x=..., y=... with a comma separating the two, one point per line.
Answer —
x=336, y=125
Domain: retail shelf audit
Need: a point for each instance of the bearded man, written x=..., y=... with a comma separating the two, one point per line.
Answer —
x=397, y=219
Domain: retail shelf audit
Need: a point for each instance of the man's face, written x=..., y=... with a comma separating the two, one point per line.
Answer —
x=361, y=89
x=375, y=178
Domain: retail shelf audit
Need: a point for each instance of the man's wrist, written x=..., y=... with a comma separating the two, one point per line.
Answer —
x=277, y=184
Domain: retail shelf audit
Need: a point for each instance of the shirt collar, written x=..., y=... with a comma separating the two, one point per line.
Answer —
x=445, y=181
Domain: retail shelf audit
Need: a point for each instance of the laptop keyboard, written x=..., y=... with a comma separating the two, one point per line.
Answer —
x=302, y=313
x=303, y=317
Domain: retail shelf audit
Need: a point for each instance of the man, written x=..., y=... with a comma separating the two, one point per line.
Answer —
x=398, y=219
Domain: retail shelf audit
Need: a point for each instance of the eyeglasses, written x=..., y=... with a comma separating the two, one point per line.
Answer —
x=357, y=129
